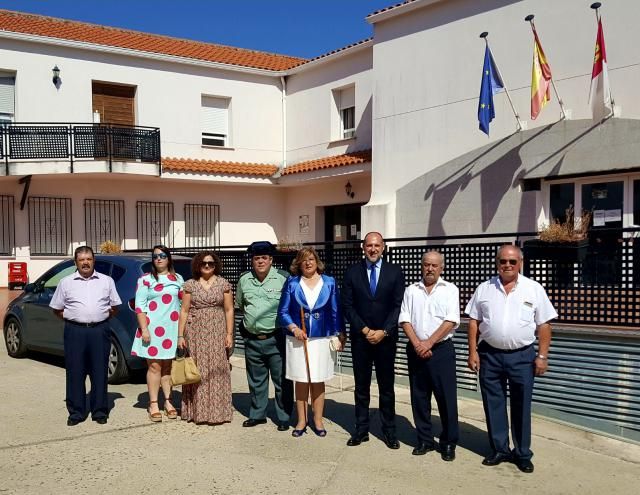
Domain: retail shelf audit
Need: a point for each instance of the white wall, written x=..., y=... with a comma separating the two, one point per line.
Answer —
x=311, y=107
x=427, y=69
x=168, y=96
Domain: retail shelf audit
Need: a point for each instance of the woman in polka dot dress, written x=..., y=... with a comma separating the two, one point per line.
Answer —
x=158, y=300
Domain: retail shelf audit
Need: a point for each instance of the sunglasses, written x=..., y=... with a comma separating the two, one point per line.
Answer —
x=511, y=262
x=210, y=264
x=159, y=256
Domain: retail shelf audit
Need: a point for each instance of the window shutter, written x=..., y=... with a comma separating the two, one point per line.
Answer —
x=7, y=94
x=215, y=115
x=348, y=98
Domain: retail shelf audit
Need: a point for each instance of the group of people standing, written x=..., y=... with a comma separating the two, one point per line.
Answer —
x=294, y=324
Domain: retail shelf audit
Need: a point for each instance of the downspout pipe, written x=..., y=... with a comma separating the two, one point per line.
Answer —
x=283, y=163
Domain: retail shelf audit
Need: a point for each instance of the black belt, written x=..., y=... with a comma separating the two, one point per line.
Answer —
x=261, y=336
x=86, y=325
x=489, y=347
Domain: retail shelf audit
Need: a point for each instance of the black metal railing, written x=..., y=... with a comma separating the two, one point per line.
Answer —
x=78, y=142
x=600, y=286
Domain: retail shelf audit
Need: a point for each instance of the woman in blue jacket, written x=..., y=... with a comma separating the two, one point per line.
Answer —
x=317, y=296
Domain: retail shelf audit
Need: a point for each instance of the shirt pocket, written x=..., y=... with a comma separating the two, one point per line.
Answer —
x=526, y=315
x=439, y=311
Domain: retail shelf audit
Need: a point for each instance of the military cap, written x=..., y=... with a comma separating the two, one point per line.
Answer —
x=259, y=248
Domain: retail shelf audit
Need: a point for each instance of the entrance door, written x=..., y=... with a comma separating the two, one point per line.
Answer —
x=342, y=222
x=605, y=201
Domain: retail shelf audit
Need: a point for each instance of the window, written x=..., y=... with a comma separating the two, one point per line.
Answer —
x=154, y=224
x=103, y=221
x=215, y=121
x=53, y=279
x=346, y=101
x=49, y=225
x=115, y=103
x=7, y=97
x=562, y=198
x=202, y=225
x=636, y=202
x=7, y=227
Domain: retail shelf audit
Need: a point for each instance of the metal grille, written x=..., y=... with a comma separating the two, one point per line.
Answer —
x=202, y=225
x=90, y=141
x=131, y=143
x=154, y=224
x=7, y=228
x=103, y=221
x=2, y=138
x=49, y=225
x=32, y=142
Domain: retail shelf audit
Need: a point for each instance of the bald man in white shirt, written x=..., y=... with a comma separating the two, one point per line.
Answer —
x=505, y=314
x=429, y=315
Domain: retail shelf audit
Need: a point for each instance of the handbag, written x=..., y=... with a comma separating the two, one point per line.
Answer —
x=334, y=343
x=184, y=370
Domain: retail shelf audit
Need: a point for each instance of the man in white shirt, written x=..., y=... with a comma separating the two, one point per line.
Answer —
x=429, y=315
x=505, y=314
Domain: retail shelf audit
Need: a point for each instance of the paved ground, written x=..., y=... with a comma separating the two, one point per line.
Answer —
x=40, y=454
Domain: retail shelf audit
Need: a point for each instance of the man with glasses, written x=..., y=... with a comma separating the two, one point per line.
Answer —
x=505, y=313
x=258, y=296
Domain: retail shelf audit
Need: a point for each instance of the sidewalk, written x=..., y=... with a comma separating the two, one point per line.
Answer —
x=40, y=454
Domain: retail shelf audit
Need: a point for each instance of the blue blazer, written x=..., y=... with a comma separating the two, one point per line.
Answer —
x=326, y=314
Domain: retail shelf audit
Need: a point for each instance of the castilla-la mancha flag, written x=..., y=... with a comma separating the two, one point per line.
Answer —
x=600, y=95
x=540, y=78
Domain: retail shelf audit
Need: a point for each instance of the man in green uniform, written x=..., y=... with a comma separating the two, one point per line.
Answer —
x=258, y=296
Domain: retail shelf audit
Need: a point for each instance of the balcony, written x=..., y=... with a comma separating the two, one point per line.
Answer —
x=32, y=144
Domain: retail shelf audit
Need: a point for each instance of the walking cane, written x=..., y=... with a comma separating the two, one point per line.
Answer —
x=306, y=357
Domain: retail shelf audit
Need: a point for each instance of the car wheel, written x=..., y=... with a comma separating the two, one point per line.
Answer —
x=13, y=339
x=118, y=371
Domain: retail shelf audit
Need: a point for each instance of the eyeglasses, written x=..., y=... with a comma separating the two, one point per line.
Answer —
x=159, y=256
x=511, y=262
x=210, y=264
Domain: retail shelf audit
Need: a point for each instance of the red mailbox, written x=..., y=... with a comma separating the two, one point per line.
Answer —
x=17, y=274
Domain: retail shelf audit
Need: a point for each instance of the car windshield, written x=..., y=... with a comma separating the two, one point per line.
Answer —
x=183, y=267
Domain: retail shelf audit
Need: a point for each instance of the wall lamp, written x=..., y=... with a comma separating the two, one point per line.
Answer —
x=56, y=76
x=348, y=188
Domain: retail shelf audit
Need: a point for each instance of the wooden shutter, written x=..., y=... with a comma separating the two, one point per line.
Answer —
x=114, y=103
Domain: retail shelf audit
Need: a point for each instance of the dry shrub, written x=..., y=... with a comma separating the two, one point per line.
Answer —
x=109, y=247
x=571, y=230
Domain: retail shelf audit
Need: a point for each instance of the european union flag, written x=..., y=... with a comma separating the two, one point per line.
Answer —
x=491, y=84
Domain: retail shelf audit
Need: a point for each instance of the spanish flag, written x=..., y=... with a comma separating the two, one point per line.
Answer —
x=600, y=94
x=540, y=78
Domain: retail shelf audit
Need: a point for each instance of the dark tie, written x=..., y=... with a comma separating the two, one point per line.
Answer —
x=373, y=281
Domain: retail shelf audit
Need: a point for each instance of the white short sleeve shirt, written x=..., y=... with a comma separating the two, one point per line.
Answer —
x=509, y=321
x=426, y=312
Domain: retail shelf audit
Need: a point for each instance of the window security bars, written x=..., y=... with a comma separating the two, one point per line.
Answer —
x=49, y=225
x=154, y=224
x=7, y=228
x=202, y=225
x=104, y=221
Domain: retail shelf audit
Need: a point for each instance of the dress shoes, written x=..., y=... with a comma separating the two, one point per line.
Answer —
x=448, y=452
x=249, y=423
x=73, y=422
x=422, y=448
x=391, y=441
x=283, y=427
x=525, y=465
x=357, y=439
x=496, y=458
x=101, y=421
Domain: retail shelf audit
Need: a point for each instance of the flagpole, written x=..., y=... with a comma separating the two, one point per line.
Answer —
x=484, y=36
x=596, y=7
x=529, y=19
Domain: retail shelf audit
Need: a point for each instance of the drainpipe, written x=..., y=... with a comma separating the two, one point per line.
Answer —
x=283, y=164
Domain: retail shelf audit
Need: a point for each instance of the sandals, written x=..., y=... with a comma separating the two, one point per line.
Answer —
x=321, y=432
x=299, y=433
x=155, y=417
x=171, y=413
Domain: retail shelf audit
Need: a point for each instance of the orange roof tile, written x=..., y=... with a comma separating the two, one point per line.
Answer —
x=218, y=167
x=19, y=22
x=353, y=158
x=390, y=7
x=337, y=50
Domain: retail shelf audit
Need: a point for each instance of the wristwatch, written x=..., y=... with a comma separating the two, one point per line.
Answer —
x=541, y=356
x=386, y=334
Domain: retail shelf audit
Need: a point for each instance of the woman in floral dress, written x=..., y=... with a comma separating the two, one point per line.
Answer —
x=206, y=322
x=158, y=296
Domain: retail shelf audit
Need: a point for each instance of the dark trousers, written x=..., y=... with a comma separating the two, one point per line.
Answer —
x=383, y=356
x=434, y=376
x=86, y=352
x=264, y=358
x=497, y=369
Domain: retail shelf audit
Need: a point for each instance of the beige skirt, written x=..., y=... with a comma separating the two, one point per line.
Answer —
x=321, y=360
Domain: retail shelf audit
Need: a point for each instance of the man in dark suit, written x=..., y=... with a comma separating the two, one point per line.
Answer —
x=371, y=296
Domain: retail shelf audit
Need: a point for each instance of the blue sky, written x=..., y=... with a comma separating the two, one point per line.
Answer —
x=305, y=28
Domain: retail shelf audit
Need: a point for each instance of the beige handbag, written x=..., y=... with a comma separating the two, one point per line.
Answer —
x=184, y=370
